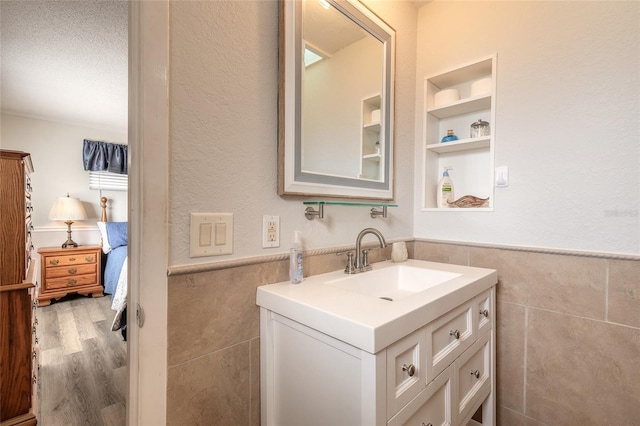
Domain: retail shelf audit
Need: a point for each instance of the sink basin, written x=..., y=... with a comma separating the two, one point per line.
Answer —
x=393, y=283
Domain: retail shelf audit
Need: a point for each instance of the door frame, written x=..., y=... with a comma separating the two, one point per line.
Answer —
x=148, y=140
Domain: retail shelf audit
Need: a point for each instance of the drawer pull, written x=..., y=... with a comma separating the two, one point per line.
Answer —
x=426, y=424
x=72, y=259
x=35, y=355
x=410, y=369
x=54, y=261
x=71, y=282
x=484, y=313
x=72, y=271
x=455, y=333
x=89, y=258
x=475, y=373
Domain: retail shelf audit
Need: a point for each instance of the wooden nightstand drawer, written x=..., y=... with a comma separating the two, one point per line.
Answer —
x=70, y=259
x=68, y=282
x=71, y=271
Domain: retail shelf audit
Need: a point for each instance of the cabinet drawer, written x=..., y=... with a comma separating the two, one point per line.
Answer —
x=485, y=312
x=71, y=259
x=431, y=407
x=406, y=372
x=449, y=336
x=473, y=377
x=75, y=281
x=70, y=270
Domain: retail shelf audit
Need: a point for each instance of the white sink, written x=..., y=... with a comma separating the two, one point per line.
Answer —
x=351, y=308
x=393, y=283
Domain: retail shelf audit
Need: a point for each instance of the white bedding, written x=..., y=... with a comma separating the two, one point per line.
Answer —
x=119, y=302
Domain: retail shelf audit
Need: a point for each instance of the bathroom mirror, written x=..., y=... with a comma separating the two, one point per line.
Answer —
x=335, y=104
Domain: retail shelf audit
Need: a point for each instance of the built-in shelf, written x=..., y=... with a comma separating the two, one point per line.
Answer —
x=460, y=145
x=471, y=159
x=372, y=157
x=463, y=106
x=374, y=125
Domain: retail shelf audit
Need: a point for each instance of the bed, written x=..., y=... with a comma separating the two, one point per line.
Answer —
x=114, y=278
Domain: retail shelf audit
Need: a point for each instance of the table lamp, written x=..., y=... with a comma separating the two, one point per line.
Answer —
x=68, y=209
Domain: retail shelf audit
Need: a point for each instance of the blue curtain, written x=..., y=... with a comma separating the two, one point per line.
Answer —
x=104, y=157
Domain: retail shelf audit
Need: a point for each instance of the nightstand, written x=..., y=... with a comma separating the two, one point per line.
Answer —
x=70, y=270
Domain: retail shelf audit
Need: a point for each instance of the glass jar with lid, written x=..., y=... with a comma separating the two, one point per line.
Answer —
x=480, y=128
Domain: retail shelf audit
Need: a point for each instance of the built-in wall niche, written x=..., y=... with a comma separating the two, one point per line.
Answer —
x=372, y=150
x=471, y=158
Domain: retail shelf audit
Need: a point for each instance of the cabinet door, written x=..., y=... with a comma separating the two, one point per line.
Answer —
x=431, y=407
x=473, y=377
x=449, y=336
x=485, y=312
x=406, y=370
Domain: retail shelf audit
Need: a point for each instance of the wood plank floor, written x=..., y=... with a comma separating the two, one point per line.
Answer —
x=83, y=372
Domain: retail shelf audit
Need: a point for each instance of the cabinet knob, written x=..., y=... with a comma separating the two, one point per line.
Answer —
x=410, y=369
x=484, y=313
x=54, y=261
x=475, y=373
x=72, y=271
x=455, y=333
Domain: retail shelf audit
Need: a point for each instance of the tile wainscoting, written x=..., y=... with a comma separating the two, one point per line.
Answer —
x=568, y=333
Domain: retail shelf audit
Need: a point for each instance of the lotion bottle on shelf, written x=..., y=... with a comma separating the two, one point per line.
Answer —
x=445, y=189
x=295, y=260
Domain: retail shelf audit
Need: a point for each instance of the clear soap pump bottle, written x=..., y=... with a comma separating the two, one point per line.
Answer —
x=295, y=260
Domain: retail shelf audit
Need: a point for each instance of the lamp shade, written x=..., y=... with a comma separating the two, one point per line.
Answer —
x=66, y=208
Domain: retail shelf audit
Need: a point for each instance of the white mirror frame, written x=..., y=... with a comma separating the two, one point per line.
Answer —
x=291, y=179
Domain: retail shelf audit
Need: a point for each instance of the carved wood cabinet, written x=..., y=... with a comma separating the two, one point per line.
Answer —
x=18, y=293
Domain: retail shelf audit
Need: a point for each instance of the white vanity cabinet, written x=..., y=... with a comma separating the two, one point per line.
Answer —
x=439, y=374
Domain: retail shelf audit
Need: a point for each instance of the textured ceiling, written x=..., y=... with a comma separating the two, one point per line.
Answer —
x=65, y=61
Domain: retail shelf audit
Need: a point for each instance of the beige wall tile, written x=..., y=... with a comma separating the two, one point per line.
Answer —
x=507, y=417
x=255, y=382
x=510, y=326
x=444, y=253
x=210, y=390
x=212, y=310
x=569, y=284
x=624, y=292
x=580, y=371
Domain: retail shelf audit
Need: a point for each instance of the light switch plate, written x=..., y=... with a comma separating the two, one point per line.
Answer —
x=211, y=234
x=270, y=231
x=502, y=177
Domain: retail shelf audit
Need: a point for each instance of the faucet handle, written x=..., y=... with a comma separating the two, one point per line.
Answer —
x=349, y=269
x=365, y=260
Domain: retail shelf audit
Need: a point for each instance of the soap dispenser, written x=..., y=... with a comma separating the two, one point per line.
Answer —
x=445, y=189
x=295, y=260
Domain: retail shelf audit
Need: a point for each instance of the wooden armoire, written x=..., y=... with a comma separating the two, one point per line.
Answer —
x=18, y=287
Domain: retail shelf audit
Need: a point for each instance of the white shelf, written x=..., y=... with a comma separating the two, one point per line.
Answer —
x=374, y=125
x=460, y=145
x=372, y=157
x=463, y=106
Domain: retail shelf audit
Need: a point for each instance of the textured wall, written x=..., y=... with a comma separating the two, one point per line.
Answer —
x=224, y=75
x=567, y=120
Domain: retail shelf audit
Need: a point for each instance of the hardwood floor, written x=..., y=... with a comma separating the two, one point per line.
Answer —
x=83, y=372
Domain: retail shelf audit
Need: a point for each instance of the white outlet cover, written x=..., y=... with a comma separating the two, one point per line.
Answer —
x=270, y=237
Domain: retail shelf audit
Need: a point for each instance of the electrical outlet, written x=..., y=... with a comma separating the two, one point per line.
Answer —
x=270, y=231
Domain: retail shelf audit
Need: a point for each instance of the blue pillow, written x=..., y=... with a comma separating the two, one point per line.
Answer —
x=116, y=234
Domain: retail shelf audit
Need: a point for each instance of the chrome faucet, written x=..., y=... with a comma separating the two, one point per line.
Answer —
x=362, y=257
